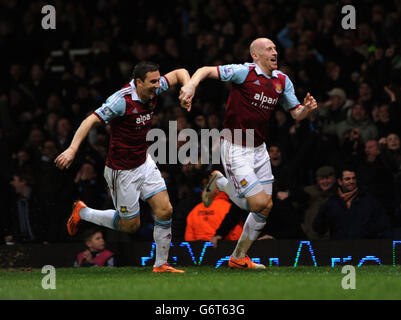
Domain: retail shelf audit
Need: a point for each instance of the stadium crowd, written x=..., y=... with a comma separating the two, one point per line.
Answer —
x=52, y=79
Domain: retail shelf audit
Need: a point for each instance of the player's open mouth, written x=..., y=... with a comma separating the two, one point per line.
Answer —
x=273, y=60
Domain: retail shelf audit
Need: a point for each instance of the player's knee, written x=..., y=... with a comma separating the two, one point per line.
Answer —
x=268, y=207
x=262, y=205
x=130, y=226
x=259, y=205
x=164, y=212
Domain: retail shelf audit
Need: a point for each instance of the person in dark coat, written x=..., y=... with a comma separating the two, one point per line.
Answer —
x=25, y=222
x=318, y=193
x=351, y=213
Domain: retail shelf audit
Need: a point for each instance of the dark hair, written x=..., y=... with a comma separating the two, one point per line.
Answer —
x=87, y=236
x=346, y=167
x=142, y=68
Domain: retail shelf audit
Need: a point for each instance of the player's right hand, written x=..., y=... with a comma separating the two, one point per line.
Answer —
x=186, y=104
x=65, y=159
x=187, y=93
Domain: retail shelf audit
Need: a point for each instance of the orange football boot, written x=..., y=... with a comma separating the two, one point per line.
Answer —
x=244, y=263
x=72, y=223
x=166, y=268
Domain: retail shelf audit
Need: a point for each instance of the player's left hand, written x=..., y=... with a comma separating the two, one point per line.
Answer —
x=186, y=104
x=187, y=93
x=310, y=102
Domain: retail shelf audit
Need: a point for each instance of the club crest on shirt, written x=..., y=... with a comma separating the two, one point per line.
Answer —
x=243, y=182
x=123, y=209
x=278, y=88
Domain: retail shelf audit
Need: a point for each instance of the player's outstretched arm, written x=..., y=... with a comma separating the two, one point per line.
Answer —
x=188, y=91
x=65, y=159
x=182, y=77
x=305, y=109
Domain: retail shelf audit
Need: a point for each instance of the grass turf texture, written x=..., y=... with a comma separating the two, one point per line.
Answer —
x=203, y=283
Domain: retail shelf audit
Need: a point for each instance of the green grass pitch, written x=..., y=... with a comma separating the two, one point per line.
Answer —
x=203, y=283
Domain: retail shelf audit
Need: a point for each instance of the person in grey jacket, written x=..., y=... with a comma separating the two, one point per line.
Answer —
x=359, y=120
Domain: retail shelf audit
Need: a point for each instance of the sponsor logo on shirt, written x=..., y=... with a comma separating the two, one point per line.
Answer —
x=262, y=100
x=143, y=118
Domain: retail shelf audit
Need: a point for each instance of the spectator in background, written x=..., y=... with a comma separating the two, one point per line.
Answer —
x=88, y=187
x=357, y=119
x=95, y=254
x=352, y=147
x=385, y=124
x=366, y=96
x=50, y=125
x=37, y=86
x=350, y=59
x=318, y=193
x=35, y=140
x=54, y=104
x=374, y=177
x=25, y=222
x=334, y=76
x=280, y=129
x=392, y=92
x=203, y=222
x=392, y=152
x=23, y=160
x=335, y=109
x=54, y=191
x=64, y=133
x=351, y=213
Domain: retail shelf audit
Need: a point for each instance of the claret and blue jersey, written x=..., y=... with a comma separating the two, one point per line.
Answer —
x=253, y=97
x=130, y=120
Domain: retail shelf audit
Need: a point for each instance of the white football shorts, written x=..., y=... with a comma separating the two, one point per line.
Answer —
x=127, y=186
x=248, y=169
